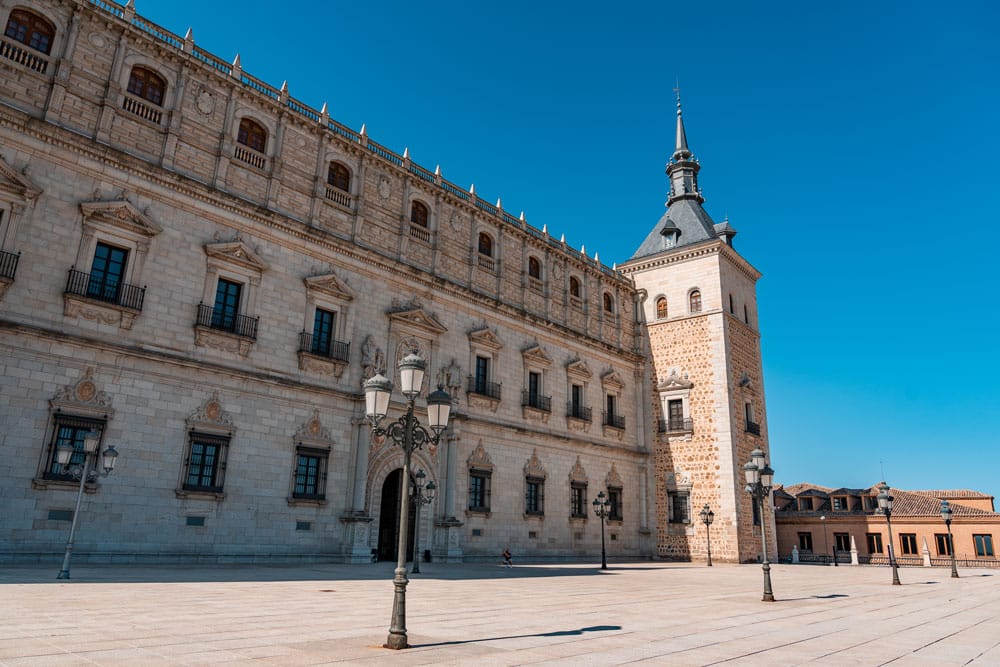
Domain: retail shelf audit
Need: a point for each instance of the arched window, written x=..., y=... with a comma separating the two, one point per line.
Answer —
x=31, y=30
x=661, y=308
x=534, y=268
x=418, y=216
x=147, y=84
x=609, y=303
x=252, y=135
x=339, y=177
x=485, y=244
x=694, y=301
x=574, y=287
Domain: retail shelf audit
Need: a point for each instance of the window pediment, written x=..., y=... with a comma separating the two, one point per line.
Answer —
x=613, y=380
x=16, y=184
x=613, y=480
x=419, y=319
x=579, y=369
x=674, y=382
x=83, y=398
x=485, y=338
x=313, y=434
x=330, y=285
x=536, y=355
x=480, y=460
x=121, y=214
x=236, y=252
x=533, y=468
x=577, y=473
x=211, y=418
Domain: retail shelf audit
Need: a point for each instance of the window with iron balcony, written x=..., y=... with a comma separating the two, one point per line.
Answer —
x=251, y=140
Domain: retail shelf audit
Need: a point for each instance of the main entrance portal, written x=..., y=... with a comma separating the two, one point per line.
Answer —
x=388, y=518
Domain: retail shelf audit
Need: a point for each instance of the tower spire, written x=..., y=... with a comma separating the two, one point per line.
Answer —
x=682, y=170
x=681, y=151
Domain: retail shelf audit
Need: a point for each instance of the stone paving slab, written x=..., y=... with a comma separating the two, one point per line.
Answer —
x=475, y=614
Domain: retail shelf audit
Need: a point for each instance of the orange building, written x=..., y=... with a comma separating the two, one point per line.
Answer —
x=814, y=522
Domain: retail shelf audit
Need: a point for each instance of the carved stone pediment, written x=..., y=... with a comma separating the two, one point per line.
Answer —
x=577, y=473
x=678, y=481
x=236, y=252
x=485, y=338
x=329, y=284
x=674, y=382
x=536, y=355
x=83, y=398
x=613, y=380
x=211, y=418
x=533, y=468
x=17, y=185
x=578, y=368
x=313, y=434
x=120, y=214
x=479, y=459
x=420, y=319
x=613, y=480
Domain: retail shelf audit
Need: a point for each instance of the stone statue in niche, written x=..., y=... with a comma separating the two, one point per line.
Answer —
x=372, y=359
x=450, y=377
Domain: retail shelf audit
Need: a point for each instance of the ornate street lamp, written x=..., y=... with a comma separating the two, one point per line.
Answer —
x=602, y=508
x=885, y=504
x=82, y=472
x=407, y=433
x=946, y=515
x=707, y=517
x=760, y=480
x=421, y=496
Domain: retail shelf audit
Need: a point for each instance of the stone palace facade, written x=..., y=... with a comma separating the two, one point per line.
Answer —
x=204, y=271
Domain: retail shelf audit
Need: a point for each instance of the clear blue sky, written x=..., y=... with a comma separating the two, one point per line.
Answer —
x=853, y=145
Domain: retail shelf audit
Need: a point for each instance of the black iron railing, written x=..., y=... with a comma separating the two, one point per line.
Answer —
x=324, y=347
x=675, y=425
x=484, y=388
x=753, y=427
x=534, y=400
x=108, y=291
x=8, y=264
x=577, y=411
x=222, y=320
x=617, y=421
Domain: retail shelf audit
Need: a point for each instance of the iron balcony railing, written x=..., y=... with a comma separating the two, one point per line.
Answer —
x=8, y=264
x=324, y=347
x=577, y=411
x=534, y=400
x=483, y=388
x=617, y=421
x=753, y=427
x=221, y=320
x=675, y=425
x=120, y=294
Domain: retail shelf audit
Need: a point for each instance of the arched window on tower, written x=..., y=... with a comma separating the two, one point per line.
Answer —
x=31, y=30
x=147, y=84
x=574, y=287
x=661, y=308
x=534, y=268
x=609, y=303
x=339, y=177
x=485, y=245
x=252, y=135
x=694, y=301
x=418, y=214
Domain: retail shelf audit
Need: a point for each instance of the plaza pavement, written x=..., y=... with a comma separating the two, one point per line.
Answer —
x=474, y=614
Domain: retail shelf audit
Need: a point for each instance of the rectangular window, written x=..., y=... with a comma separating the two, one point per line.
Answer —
x=206, y=463
x=227, y=305
x=984, y=545
x=576, y=399
x=107, y=272
x=869, y=503
x=69, y=431
x=323, y=329
x=482, y=373
x=805, y=504
x=310, y=474
x=874, y=542
x=839, y=503
x=842, y=541
x=615, y=498
x=533, y=495
x=805, y=542
x=479, y=491
x=678, y=507
x=578, y=500
x=611, y=408
x=534, y=387
x=908, y=543
x=943, y=546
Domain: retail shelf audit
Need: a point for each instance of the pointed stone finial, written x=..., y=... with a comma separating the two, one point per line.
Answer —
x=189, y=35
x=406, y=153
x=522, y=216
x=129, y=10
x=597, y=257
x=284, y=86
x=437, y=170
x=189, y=41
x=583, y=250
x=499, y=204
x=472, y=189
x=614, y=266
x=562, y=239
x=325, y=110
x=545, y=229
x=237, y=69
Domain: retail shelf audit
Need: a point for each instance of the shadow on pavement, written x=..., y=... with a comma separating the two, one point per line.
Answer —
x=558, y=633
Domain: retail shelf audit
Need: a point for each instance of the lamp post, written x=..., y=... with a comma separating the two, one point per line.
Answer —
x=407, y=433
x=826, y=537
x=602, y=507
x=760, y=480
x=707, y=517
x=885, y=504
x=82, y=472
x=946, y=515
x=420, y=497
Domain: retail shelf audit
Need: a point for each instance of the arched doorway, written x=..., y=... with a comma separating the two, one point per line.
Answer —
x=388, y=519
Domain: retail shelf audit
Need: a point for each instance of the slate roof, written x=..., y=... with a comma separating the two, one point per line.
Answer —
x=687, y=215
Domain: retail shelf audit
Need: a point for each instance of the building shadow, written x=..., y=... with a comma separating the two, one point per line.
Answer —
x=557, y=633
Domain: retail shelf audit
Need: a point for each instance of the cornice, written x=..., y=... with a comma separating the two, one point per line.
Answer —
x=686, y=253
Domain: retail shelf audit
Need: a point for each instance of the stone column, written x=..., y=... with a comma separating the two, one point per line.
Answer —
x=447, y=543
x=356, y=521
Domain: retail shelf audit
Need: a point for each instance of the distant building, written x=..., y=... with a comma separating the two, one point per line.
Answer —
x=817, y=521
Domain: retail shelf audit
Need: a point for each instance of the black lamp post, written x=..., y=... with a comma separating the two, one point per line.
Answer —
x=407, y=433
x=707, y=517
x=760, y=480
x=82, y=472
x=420, y=497
x=946, y=515
x=826, y=538
x=885, y=504
x=602, y=508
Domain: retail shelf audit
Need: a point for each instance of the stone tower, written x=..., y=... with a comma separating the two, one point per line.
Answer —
x=700, y=310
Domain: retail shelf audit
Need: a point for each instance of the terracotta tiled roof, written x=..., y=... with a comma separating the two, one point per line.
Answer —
x=908, y=503
x=905, y=503
x=796, y=489
x=954, y=493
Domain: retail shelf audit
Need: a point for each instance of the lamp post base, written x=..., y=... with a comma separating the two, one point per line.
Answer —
x=64, y=574
x=397, y=633
x=768, y=595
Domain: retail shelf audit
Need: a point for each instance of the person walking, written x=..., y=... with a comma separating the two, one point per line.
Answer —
x=506, y=557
